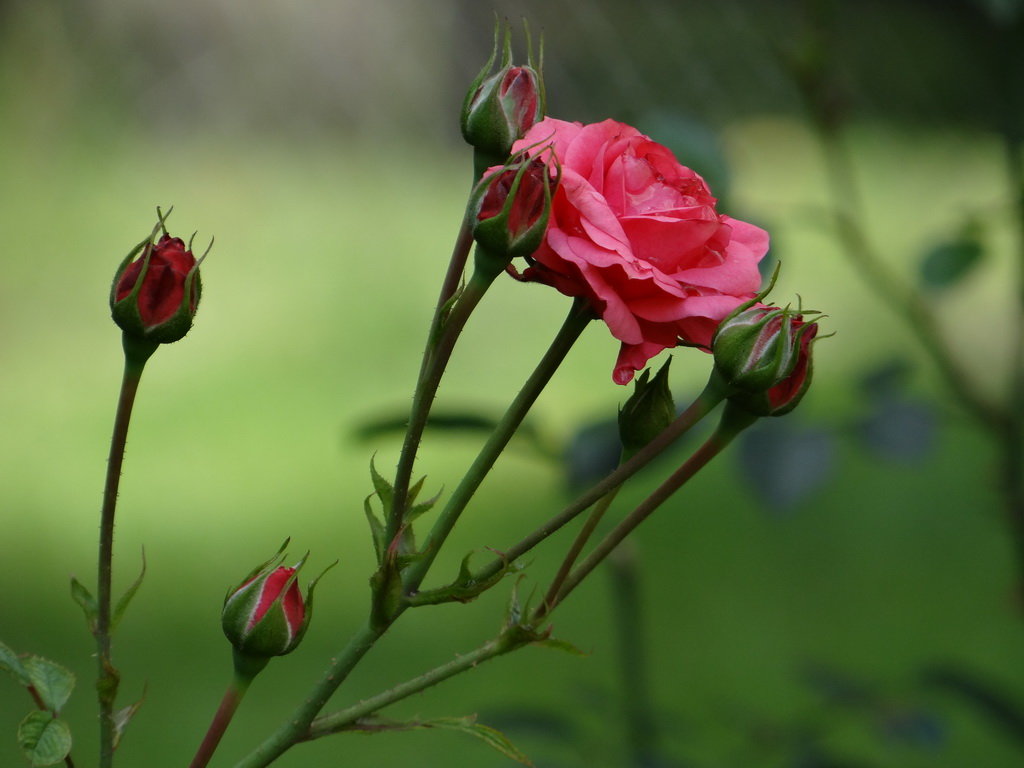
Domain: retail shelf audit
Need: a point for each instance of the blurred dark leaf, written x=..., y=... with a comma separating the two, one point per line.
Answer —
x=989, y=699
x=785, y=462
x=837, y=687
x=899, y=429
x=592, y=453
x=914, y=727
x=946, y=263
x=468, y=422
x=887, y=379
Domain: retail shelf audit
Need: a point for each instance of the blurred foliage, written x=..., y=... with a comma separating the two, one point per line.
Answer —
x=869, y=625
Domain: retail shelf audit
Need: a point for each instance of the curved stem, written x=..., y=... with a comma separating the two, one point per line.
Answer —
x=705, y=402
x=733, y=422
x=221, y=719
x=107, y=675
x=578, y=318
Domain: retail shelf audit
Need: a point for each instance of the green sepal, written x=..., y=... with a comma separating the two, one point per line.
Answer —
x=126, y=598
x=44, y=740
x=247, y=666
x=81, y=595
x=269, y=564
x=11, y=663
x=52, y=682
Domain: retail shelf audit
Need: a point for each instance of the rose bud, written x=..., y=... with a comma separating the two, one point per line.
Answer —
x=763, y=355
x=267, y=615
x=154, y=297
x=501, y=107
x=512, y=203
x=647, y=411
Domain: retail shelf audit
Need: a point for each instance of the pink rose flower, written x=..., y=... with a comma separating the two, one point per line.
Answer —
x=637, y=233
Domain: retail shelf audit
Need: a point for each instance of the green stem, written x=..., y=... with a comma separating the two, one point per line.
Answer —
x=577, y=319
x=585, y=532
x=734, y=421
x=136, y=354
x=444, y=333
x=296, y=728
x=232, y=698
x=339, y=721
x=705, y=402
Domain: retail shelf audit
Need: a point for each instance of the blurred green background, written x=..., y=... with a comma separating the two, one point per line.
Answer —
x=841, y=598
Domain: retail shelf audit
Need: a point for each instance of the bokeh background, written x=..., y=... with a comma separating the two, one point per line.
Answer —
x=835, y=591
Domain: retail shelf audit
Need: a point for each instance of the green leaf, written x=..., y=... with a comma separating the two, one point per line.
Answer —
x=11, y=663
x=51, y=681
x=126, y=598
x=123, y=716
x=81, y=595
x=43, y=739
x=490, y=736
x=383, y=488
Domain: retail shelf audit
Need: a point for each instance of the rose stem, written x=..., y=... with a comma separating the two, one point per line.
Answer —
x=136, y=353
x=296, y=727
x=578, y=318
x=585, y=532
x=343, y=719
x=732, y=423
x=298, y=724
x=700, y=407
x=436, y=354
x=221, y=719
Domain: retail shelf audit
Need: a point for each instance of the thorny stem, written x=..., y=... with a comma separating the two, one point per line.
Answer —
x=296, y=727
x=440, y=343
x=733, y=422
x=585, y=532
x=136, y=354
x=700, y=407
x=575, y=322
x=345, y=718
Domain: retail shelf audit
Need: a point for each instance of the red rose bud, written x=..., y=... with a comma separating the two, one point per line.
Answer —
x=503, y=106
x=763, y=355
x=266, y=615
x=513, y=203
x=647, y=412
x=154, y=297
